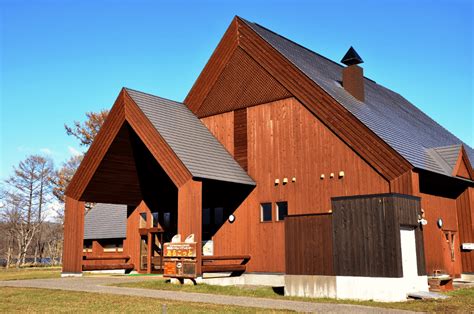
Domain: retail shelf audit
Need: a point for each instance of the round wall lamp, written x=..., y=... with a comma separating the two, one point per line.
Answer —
x=440, y=223
x=231, y=218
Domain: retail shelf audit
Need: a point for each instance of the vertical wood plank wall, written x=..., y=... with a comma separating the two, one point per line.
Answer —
x=73, y=236
x=285, y=140
x=465, y=209
x=190, y=214
x=437, y=250
x=309, y=245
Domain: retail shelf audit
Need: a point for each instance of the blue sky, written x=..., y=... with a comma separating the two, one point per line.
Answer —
x=60, y=59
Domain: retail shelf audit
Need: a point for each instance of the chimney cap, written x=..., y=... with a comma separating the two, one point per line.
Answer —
x=351, y=57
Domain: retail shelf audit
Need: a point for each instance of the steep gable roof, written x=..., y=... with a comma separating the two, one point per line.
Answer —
x=105, y=221
x=395, y=120
x=201, y=153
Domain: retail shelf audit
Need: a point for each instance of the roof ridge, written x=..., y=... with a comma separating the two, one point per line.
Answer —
x=138, y=91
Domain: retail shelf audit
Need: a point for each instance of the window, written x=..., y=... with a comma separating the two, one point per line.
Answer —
x=87, y=247
x=155, y=219
x=113, y=246
x=206, y=216
x=142, y=220
x=167, y=220
x=266, y=212
x=282, y=210
x=218, y=216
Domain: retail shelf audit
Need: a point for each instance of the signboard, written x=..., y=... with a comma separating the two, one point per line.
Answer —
x=179, y=249
x=467, y=246
x=179, y=259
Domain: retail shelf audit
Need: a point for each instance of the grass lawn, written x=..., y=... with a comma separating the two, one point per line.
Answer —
x=461, y=300
x=45, y=300
x=30, y=273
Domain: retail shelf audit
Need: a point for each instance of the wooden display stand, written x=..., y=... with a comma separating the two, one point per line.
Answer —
x=180, y=260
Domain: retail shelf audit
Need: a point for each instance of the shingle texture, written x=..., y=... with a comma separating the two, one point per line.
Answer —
x=201, y=153
x=394, y=119
x=105, y=221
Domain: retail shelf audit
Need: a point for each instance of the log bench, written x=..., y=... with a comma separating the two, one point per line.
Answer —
x=112, y=265
x=233, y=263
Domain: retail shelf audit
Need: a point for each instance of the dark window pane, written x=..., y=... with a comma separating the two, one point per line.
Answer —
x=167, y=219
x=266, y=211
x=155, y=219
x=282, y=210
x=218, y=215
x=206, y=216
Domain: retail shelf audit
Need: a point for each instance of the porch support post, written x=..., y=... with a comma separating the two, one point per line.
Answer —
x=73, y=237
x=190, y=215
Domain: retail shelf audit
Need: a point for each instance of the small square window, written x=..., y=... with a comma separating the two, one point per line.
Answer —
x=282, y=210
x=206, y=216
x=266, y=212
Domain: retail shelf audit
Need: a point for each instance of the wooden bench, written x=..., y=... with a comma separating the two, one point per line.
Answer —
x=234, y=263
x=108, y=267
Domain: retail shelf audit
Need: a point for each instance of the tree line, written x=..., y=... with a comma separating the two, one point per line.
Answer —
x=32, y=201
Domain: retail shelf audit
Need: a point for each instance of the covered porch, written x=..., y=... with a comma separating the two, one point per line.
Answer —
x=154, y=156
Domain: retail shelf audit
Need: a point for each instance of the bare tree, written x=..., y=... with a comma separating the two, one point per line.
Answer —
x=27, y=193
x=86, y=131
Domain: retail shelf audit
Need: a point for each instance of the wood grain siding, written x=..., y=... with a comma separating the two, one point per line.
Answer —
x=98, y=149
x=285, y=140
x=219, y=59
x=465, y=210
x=73, y=235
x=407, y=183
x=240, y=137
x=380, y=155
x=241, y=84
x=367, y=234
x=437, y=250
x=190, y=215
x=222, y=127
x=115, y=179
x=308, y=242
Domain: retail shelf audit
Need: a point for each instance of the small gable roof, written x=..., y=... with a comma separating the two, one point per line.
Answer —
x=192, y=142
x=105, y=221
x=391, y=117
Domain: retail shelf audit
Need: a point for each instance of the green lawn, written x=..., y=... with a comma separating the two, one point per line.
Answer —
x=461, y=300
x=20, y=300
x=30, y=273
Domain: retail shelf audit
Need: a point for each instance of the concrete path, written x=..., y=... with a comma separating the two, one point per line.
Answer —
x=100, y=285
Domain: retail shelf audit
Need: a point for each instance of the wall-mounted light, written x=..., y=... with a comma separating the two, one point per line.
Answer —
x=341, y=174
x=293, y=179
x=231, y=218
x=277, y=181
x=322, y=176
x=285, y=180
x=331, y=175
x=440, y=223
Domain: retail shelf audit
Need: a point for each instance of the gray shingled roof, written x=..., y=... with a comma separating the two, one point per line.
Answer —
x=394, y=119
x=201, y=153
x=105, y=221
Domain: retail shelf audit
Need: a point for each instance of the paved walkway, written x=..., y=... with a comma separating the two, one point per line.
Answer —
x=99, y=285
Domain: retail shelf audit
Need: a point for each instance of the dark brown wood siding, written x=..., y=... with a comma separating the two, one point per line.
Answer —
x=367, y=234
x=308, y=242
x=240, y=137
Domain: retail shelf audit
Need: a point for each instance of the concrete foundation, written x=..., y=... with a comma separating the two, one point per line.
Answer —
x=467, y=277
x=65, y=275
x=358, y=288
x=224, y=279
x=110, y=271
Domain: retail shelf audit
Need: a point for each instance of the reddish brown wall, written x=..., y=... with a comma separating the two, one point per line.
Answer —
x=286, y=140
x=465, y=210
x=437, y=251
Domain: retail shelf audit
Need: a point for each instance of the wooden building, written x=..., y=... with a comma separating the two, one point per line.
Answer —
x=275, y=135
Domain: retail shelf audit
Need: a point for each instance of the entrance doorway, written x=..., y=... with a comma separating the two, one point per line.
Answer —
x=409, y=260
x=151, y=250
